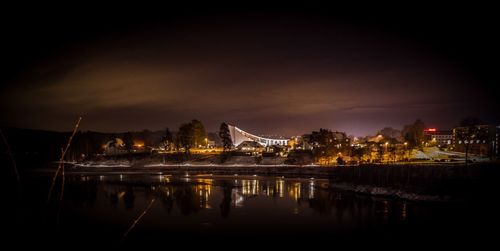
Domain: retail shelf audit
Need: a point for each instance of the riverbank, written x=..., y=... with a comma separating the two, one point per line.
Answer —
x=309, y=171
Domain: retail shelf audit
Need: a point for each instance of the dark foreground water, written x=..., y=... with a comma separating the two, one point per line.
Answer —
x=198, y=210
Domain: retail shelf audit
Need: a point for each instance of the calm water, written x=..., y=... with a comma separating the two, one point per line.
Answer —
x=100, y=209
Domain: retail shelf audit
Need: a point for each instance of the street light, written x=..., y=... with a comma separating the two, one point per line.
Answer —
x=406, y=144
x=386, y=144
x=206, y=142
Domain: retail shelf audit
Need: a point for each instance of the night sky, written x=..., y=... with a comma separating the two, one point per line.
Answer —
x=276, y=71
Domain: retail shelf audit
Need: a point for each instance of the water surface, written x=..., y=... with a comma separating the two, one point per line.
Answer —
x=101, y=208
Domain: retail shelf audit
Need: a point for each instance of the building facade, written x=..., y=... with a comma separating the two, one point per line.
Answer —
x=485, y=143
x=239, y=136
x=439, y=138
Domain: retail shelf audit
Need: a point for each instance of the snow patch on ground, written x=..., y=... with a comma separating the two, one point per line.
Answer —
x=104, y=164
x=217, y=165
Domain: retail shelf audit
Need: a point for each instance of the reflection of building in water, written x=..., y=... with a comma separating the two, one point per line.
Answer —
x=269, y=190
x=311, y=189
x=236, y=198
x=203, y=191
x=298, y=190
x=250, y=187
x=294, y=190
x=279, y=188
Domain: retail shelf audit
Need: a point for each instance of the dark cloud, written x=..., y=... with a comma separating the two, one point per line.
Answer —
x=286, y=73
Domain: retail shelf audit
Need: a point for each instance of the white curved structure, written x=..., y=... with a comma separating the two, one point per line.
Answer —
x=238, y=136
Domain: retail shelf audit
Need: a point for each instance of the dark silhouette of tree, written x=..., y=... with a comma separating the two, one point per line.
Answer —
x=168, y=135
x=321, y=138
x=199, y=133
x=469, y=131
x=390, y=133
x=327, y=143
x=128, y=141
x=225, y=136
x=191, y=135
x=185, y=137
x=414, y=133
x=167, y=139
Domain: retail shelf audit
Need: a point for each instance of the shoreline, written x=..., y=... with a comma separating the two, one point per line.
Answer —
x=431, y=182
x=264, y=170
x=139, y=165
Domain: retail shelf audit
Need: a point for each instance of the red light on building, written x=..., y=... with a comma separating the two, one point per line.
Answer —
x=430, y=130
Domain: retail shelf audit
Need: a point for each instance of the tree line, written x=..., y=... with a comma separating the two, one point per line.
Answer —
x=326, y=143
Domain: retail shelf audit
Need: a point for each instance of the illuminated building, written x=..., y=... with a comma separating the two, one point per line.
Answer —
x=441, y=138
x=250, y=147
x=485, y=146
x=238, y=136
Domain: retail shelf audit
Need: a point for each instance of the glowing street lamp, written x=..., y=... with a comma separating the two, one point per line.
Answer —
x=406, y=145
x=386, y=144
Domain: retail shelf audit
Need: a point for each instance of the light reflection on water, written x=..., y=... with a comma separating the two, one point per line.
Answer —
x=102, y=207
x=191, y=194
x=200, y=188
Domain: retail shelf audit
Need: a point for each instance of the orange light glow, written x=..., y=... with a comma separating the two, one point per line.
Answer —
x=138, y=144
